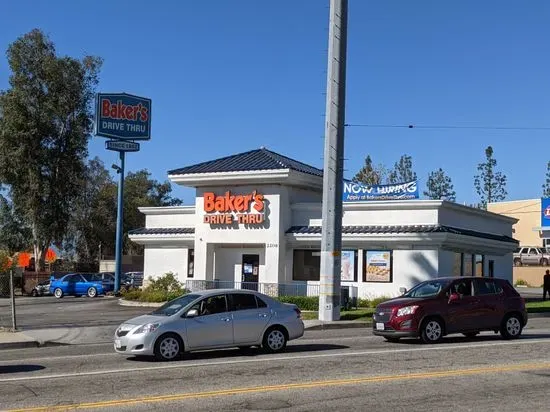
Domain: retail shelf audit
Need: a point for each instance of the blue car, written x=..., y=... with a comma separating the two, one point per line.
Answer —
x=76, y=284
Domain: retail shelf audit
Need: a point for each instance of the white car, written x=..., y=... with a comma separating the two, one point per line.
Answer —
x=211, y=319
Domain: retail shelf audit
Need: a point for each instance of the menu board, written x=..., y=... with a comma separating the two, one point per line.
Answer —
x=348, y=266
x=378, y=266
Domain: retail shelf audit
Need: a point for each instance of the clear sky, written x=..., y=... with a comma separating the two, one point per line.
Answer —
x=230, y=76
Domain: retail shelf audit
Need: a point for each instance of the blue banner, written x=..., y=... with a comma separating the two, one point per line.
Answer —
x=545, y=212
x=356, y=192
x=123, y=116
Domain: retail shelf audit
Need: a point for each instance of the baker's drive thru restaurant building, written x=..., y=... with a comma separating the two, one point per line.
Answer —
x=256, y=223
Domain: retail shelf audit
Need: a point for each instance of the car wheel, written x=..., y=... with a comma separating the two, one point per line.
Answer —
x=58, y=293
x=274, y=340
x=511, y=327
x=34, y=293
x=471, y=334
x=392, y=340
x=168, y=347
x=432, y=331
x=92, y=292
x=517, y=262
x=544, y=262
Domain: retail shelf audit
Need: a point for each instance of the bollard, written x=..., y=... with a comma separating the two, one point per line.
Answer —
x=12, y=295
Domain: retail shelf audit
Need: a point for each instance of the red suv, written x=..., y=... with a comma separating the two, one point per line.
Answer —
x=439, y=307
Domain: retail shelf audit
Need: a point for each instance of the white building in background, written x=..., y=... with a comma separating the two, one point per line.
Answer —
x=257, y=219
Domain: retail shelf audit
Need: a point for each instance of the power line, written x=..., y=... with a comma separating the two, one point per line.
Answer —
x=413, y=126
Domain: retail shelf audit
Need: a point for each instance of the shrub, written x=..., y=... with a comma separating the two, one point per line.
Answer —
x=371, y=303
x=162, y=289
x=521, y=282
x=303, y=302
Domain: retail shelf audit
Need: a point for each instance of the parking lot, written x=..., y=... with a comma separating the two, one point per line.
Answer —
x=49, y=312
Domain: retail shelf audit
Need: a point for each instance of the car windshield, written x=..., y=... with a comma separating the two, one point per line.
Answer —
x=174, y=306
x=427, y=289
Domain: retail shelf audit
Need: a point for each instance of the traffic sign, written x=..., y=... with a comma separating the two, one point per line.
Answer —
x=122, y=146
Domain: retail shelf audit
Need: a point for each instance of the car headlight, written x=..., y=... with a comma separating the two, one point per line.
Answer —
x=407, y=310
x=148, y=328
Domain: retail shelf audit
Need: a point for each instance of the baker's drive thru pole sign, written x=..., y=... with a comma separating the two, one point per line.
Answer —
x=123, y=116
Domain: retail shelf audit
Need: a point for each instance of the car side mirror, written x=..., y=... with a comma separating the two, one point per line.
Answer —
x=192, y=313
x=454, y=298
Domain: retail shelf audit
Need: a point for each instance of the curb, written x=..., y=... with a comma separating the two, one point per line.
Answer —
x=30, y=344
x=124, y=302
x=332, y=326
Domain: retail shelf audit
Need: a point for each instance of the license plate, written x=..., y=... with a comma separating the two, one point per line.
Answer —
x=118, y=345
x=380, y=326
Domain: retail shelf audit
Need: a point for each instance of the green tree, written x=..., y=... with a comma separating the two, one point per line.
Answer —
x=439, y=186
x=546, y=185
x=140, y=190
x=15, y=235
x=45, y=123
x=402, y=171
x=370, y=174
x=93, y=221
x=490, y=185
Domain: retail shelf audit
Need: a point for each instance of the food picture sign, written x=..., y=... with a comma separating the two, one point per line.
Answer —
x=227, y=209
x=378, y=266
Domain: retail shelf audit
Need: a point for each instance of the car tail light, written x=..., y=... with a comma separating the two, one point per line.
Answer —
x=298, y=312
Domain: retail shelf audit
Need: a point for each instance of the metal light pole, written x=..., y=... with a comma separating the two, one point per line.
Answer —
x=331, y=243
x=119, y=221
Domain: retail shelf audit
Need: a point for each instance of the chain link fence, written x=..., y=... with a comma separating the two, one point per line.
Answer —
x=7, y=302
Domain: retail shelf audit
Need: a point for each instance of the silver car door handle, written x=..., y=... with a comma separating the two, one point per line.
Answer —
x=262, y=315
x=225, y=319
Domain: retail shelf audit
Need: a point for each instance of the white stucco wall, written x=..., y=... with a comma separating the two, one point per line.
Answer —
x=158, y=261
x=179, y=216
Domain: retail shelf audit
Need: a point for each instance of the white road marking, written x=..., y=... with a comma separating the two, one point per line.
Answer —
x=114, y=354
x=267, y=358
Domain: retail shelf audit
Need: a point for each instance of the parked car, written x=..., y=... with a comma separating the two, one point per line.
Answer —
x=76, y=284
x=211, y=319
x=439, y=307
x=107, y=279
x=531, y=255
x=41, y=289
x=133, y=279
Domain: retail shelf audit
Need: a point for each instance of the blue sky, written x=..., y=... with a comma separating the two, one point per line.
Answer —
x=230, y=76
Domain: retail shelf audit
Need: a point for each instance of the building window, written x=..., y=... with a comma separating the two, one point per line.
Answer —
x=457, y=264
x=306, y=265
x=349, y=266
x=468, y=265
x=378, y=266
x=480, y=265
x=191, y=263
x=491, y=268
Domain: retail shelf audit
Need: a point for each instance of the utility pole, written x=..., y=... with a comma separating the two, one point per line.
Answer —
x=119, y=221
x=333, y=175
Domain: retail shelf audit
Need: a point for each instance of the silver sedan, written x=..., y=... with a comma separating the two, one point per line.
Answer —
x=211, y=319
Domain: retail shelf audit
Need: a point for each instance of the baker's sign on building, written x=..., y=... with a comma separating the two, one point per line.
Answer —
x=123, y=116
x=227, y=209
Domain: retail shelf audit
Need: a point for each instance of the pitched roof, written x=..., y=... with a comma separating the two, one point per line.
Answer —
x=348, y=230
x=258, y=159
x=389, y=230
x=163, y=231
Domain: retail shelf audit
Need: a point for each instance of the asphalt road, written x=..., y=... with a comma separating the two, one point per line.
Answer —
x=49, y=312
x=323, y=371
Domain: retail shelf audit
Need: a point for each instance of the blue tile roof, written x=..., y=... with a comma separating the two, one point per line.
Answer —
x=162, y=231
x=259, y=159
x=348, y=230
